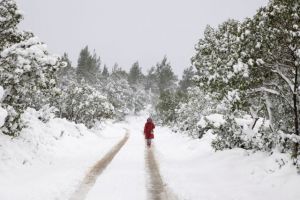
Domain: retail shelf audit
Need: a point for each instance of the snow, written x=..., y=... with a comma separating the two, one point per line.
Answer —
x=1, y=92
x=49, y=160
x=247, y=32
x=3, y=112
x=241, y=67
x=215, y=119
x=194, y=171
x=125, y=177
x=298, y=53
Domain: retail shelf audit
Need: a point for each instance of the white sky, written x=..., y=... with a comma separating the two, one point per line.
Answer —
x=124, y=31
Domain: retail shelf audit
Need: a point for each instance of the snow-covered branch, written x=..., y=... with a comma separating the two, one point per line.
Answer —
x=286, y=79
x=268, y=90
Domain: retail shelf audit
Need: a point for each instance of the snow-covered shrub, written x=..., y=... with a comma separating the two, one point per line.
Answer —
x=189, y=112
x=254, y=65
x=10, y=17
x=166, y=106
x=82, y=103
x=229, y=135
x=3, y=112
x=244, y=132
x=46, y=113
x=27, y=70
x=27, y=73
x=120, y=95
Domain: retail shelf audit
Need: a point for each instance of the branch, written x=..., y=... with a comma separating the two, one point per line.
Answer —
x=286, y=79
x=268, y=90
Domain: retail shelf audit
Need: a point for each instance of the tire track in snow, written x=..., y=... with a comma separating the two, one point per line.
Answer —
x=157, y=190
x=91, y=177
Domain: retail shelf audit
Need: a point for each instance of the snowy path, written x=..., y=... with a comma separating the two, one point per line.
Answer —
x=134, y=172
x=157, y=189
x=58, y=166
x=96, y=170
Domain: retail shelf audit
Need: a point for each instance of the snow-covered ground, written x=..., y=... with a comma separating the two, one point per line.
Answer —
x=48, y=161
x=125, y=177
x=194, y=171
x=44, y=163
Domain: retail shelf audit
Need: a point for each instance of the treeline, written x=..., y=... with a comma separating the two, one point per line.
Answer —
x=246, y=72
x=91, y=91
x=85, y=93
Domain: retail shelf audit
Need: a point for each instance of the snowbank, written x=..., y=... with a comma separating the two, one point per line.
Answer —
x=48, y=160
x=215, y=119
x=194, y=171
x=3, y=113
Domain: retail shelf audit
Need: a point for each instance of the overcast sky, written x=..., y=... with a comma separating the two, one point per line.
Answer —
x=125, y=31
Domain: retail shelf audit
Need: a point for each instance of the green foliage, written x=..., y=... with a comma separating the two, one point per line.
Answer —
x=187, y=79
x=165, y=76
x=88, y=67
x=10, y=17
x=135, y=75
x=166, y=106
x=27, y=70
x=83, y=104
x=253, y=67
x=105, y=72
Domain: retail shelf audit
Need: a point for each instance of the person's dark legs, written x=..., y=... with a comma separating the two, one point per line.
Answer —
x=148, y=142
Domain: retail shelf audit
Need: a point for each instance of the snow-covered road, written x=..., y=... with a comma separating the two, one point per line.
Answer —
x=96, y=170
x=128, y=176
x=175, y=168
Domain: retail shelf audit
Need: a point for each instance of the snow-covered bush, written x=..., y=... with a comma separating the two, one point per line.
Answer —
x=3, y=112
x=10, y=17
x=190, y=111
x=120, y=95
x=27, y=73
x=46, y=113
x=254, y=66
x=82, y=103
x=27, y=70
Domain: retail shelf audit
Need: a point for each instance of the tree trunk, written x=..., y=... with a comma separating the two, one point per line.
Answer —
x=296, y=144
x=269, y=110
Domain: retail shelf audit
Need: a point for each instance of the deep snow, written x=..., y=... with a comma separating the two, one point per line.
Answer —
x=194, y=171
x=48, y=161
x=125, y=177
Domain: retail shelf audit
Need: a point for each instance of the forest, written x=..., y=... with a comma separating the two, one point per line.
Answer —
x=242, y=85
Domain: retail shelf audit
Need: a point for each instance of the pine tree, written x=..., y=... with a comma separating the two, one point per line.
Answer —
x=105, y=72
x=27, y=70
x=135, y=74
x=88, y=66
x=10, y=18
x=274, y=52
x=187, y=79
x=150, y=82
x=166, y=79
x=67, y=74
x=28, y=73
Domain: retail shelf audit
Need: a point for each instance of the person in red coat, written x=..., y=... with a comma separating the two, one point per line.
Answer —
x=148, y=131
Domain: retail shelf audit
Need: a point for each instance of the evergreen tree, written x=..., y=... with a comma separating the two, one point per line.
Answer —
x=135, y=74
x=28, y=74
x=67, y=74
x=165, y=77
x=150, y=82
x=10, y=18
x=88, y=66
x=105, y=72
x=118, y=72
x=273, y=53
x=187, y=79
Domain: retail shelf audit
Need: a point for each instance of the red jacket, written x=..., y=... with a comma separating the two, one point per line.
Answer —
x=148, y=130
